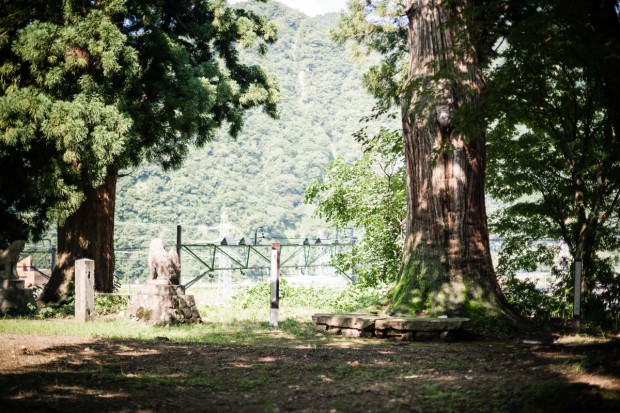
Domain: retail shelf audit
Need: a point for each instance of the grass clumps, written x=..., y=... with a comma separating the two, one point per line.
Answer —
x=348, y=299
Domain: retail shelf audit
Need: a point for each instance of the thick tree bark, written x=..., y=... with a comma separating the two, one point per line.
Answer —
x=88, y=233
x=447, y=266
x=604, y=29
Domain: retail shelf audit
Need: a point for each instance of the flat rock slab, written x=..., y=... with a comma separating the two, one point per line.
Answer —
x=367, y=325
x=356, y=321
x=420, y=324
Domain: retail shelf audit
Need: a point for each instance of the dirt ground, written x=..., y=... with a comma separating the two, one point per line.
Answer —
x=40, y=373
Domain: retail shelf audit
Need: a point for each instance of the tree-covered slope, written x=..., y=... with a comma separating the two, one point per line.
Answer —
x=258, y=179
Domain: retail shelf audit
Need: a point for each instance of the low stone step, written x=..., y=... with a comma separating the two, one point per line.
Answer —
x=356, y=321
x=421, y=324
x=368, y=325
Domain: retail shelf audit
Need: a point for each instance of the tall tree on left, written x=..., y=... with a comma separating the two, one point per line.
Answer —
x=91, y=87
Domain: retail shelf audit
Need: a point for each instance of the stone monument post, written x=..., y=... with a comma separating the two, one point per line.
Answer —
x=84, y=290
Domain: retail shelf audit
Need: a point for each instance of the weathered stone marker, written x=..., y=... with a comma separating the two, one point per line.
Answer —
x=84, y=290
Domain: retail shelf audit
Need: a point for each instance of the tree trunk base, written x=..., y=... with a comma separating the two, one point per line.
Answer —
x=427, y=287
x=87, y=233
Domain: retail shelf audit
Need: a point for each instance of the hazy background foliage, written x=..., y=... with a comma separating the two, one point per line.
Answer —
x=258, y=179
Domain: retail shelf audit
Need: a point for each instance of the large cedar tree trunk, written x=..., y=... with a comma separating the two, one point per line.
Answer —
x=447, y=266
x=88, y=233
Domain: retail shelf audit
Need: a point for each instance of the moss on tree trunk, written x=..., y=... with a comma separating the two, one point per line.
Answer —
x=447, y=266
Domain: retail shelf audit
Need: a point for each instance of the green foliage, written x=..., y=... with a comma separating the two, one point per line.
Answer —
x=536, y=304
x=66, y=309
x=368, y=194
x=110, y=304
x=378, y=28
x=556, y=167
x=554, y=303
x=88, y=88
x=351, y=298
x=62, y=75
x=259, y=179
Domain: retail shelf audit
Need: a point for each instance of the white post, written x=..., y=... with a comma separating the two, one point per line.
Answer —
x=577, y=297
x=84, y=290
x=274, y=277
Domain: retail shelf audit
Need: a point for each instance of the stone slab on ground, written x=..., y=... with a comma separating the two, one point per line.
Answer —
x=356, y=321
x=406, y=329
x=420, y=324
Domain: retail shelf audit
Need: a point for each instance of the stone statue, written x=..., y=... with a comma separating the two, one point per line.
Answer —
x=10, y=257
x=162, y=300
x=163, y=265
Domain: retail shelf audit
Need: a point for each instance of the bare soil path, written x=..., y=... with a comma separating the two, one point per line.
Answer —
x=49, y=373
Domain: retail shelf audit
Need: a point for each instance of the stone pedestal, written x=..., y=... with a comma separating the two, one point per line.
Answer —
x=162, y=303
x=14, y=298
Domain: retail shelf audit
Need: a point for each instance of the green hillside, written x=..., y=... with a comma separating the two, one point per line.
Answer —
x=259, y=179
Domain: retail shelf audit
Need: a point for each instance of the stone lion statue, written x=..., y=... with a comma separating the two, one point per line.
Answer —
x=10, y=257
x=163, y=265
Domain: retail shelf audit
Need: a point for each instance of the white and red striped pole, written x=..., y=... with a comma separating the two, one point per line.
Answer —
x=274, y=276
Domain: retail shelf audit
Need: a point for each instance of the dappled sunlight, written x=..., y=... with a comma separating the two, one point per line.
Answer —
x=350, y=343
x=242, y=365
x=137, y=352
x=599, y=380
x=211, y=373
x=582, y=368
x=450, y=296
x=267, y=359
x=68, y=392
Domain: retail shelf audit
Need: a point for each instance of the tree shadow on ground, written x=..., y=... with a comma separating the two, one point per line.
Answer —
x=342, y=374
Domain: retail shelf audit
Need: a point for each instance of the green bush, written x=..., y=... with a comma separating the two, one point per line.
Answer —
x=66, y=309
x=536, y=304
x=350, y=298
x=110, y=304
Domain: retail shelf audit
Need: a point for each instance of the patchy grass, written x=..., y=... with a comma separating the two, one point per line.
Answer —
x=236, y=362
x=220, y=327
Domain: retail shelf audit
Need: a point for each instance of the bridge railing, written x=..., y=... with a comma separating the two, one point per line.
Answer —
x=217, y=257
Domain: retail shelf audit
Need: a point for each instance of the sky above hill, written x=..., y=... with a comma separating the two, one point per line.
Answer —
x=311, y=7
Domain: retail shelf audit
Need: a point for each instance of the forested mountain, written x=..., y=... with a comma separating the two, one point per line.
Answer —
x=259, y=179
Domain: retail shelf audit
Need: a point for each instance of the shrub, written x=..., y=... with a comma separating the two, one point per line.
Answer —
x=110, y=303
x=350, y=298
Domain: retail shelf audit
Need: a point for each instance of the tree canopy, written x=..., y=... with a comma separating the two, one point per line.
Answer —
x=89, y=86
x=259, y=179
x=554, y=149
